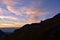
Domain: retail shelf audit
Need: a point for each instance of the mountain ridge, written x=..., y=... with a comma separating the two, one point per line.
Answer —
x=46, y=30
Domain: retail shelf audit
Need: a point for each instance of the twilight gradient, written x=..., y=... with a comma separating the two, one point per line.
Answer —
x=16, y=13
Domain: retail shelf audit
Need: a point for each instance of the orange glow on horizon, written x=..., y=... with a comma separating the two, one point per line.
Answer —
x=11, y=25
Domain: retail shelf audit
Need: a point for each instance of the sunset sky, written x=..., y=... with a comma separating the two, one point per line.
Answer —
x=16, y=13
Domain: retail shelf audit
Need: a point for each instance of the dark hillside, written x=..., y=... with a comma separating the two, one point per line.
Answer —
x=46, y=30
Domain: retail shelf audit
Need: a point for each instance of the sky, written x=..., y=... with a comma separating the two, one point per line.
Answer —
x=16, y=13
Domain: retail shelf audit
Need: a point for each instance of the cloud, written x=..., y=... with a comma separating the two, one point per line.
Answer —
x=14, y=11
x=33, y=19
x=1, y=11
x=9, y=5
x=35, y=3
x=28, y=11
x=9, y=2
x=31, y=12
x=9, y=18
x=10, y=25
x=10, y=22
x=24, y=10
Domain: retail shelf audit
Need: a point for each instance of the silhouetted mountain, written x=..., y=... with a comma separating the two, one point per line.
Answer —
x=46, y=30
x=1, y=34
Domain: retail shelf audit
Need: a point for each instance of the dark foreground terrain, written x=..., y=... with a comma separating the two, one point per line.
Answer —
x=46, y=30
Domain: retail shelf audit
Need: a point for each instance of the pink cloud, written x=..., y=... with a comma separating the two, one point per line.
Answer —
x=26, y=10
x=15, y=11
x=9, y=2
x=31, y=11
x=1, y=11
x=9, y=5
x=32, y=14
x=34, y=19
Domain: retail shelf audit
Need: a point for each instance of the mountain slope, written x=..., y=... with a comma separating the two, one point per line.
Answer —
x=46, y=30
x=2, y=34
